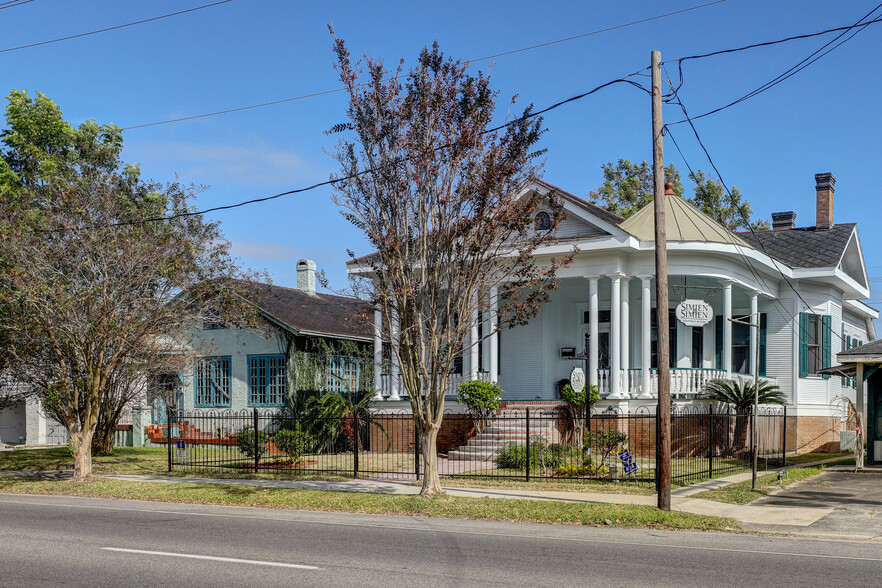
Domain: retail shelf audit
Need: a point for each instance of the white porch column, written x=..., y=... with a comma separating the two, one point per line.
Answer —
x=615, y=327
x=378, y=354
x=396, y=368
x=646, y=337
x=859, y=396
x=474, y=367
x=494, y=336
x=593, y=331
x=625, y=337
x=754, y=331
x=727, y=327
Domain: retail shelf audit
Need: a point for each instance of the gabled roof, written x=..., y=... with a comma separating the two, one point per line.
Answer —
x=871, y=348
x=803, y=248
x=318, y=314
x=683, y=222
x=592, y=209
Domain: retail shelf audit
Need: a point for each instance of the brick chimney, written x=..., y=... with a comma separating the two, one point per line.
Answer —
x=306, y=276
x=782, y=221
x=824, y=183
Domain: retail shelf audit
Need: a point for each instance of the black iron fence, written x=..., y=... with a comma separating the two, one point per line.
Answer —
x=520, y=442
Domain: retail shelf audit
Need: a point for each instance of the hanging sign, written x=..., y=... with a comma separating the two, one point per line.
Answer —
x=694, y=313
x=577, y=379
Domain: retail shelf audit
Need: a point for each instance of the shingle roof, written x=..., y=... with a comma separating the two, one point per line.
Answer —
x=871, y=348
x=319, y=314
x=806, y=247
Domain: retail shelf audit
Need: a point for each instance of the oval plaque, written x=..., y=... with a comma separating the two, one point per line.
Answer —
x=577, y=379
x=694, y=313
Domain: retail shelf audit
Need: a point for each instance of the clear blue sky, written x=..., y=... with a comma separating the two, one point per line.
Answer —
x=252, y=51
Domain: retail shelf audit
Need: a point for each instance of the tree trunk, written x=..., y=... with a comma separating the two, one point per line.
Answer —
x=81, y=446
x=741, y=427
x=429, y=442
x=103, y=440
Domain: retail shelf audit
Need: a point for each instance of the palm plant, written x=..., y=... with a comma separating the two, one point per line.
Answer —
x=741, y=394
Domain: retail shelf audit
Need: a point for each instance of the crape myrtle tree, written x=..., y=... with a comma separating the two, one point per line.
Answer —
x=437, y=197
x=94, y=297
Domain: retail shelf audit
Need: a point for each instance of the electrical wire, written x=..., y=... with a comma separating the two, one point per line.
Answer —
x=850, y=32
x=13, y=3
x=113, y=28
x=486, y=57
x=530, y=115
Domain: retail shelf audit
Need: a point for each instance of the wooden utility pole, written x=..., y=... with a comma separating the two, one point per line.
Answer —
x=663, y=434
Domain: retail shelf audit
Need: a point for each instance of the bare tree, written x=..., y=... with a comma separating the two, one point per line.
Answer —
x=442, y=201
x=92, y=291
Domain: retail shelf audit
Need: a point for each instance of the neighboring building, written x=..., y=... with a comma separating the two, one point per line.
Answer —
x=861, y=364
x=310, y=341
x=807, y=284
x=22, y=419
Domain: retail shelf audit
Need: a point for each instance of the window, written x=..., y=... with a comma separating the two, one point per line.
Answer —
x=814, y=343
x=267, y=380
x=672, y=336
x=212, y=382
x=603, y=316
x=697, y=347
x=343, y=375
x=741, y=335
x=212, y=321
x=543, y=221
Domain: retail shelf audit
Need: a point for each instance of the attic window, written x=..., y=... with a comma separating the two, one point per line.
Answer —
x=543, y=221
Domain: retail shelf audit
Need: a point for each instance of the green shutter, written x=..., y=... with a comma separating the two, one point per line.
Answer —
x=718, y=342
x=846, y=381
x=803, y=344
x=826, y=332
x=762, y=344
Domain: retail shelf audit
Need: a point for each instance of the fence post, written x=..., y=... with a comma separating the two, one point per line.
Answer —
x=355, y=443
x=168, y=435
x=416, y=450
x=528, y=445
x=784, y=441
x=711, y=445
x=256, y=442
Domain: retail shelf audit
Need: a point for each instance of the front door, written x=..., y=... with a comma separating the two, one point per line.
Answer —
x=874, y=416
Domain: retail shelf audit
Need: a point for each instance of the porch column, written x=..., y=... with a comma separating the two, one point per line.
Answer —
x=646, y=337
x=592, y=331
x=494, y=336
x=473, y=340
x=378, y=354
x=727, y=327
x=625, y=338
x=615, y=327
x=396, y=368
x=754, y=331
x=859, y=396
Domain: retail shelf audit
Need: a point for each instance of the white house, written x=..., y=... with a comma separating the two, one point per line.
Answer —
x=807, y=284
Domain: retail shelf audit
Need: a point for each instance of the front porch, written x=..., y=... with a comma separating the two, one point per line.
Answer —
x=608, y=326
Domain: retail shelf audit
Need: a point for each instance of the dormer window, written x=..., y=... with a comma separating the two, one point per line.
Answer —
x=543, y=221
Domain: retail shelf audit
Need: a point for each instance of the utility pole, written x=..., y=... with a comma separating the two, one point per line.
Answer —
x=663, y=430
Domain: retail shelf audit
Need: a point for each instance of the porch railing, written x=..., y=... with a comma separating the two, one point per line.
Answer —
x=389, y=380
x=685, y=382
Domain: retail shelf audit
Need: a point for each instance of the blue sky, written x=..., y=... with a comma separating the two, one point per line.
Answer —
x=245, y=52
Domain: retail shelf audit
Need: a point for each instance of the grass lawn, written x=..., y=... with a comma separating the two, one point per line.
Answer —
x=740, y=493
x=531, y=511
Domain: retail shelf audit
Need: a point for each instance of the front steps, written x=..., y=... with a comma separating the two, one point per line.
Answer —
x=509, y=427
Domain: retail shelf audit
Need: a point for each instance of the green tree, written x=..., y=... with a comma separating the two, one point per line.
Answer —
x=627, y=187
x=731, y=212
x=96, y=296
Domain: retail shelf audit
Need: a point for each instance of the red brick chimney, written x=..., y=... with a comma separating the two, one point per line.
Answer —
x=824, y=183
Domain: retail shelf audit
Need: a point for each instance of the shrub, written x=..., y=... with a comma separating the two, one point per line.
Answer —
x=577, y=399
x=249, y=445
x=295, y=443
x=481, y=398
x=606, y=442
x=544, y=456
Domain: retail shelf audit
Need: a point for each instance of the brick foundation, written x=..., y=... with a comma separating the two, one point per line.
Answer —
x=813, y=434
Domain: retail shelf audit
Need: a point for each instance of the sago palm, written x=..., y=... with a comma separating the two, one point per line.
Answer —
x=740, y=393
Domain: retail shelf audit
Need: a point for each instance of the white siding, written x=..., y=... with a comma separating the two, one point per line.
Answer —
x=573, y=226
x=780, y=352
x=520, y=370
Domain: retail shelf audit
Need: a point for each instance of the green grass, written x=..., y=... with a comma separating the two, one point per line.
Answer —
x=550, y=484
x=741, y=493
x=532, y=511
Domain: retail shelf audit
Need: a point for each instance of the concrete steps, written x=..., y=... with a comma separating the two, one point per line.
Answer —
x=509, y=427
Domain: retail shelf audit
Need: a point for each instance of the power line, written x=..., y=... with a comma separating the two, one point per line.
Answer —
x=486, y=57
x=744, y=217
x=13, y=3
x=530, y=115
x=812, y=58
x=113, y=28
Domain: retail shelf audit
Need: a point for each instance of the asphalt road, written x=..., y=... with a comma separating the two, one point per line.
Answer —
x=55, y=541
